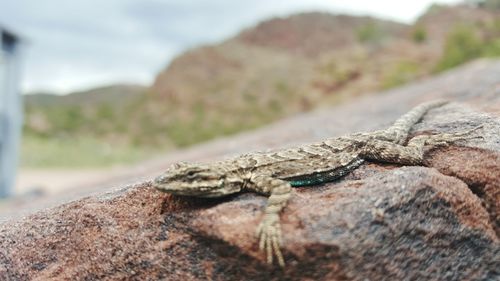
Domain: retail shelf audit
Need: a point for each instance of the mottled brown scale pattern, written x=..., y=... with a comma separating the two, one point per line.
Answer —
x=275, y=173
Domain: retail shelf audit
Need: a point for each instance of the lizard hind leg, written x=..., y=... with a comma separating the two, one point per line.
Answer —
x=269, y=230
x=448, y=138
x=413, y=152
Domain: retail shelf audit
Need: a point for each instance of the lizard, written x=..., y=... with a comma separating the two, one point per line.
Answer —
x=275, y=173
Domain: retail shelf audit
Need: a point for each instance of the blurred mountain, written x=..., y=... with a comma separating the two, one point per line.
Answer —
x=277, y=68
x=95, y=112
x=313, y=34
x=280, y=67
x=287, y=65
x=106, y=94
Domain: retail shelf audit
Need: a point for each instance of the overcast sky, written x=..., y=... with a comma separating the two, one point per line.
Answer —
x=74, y=45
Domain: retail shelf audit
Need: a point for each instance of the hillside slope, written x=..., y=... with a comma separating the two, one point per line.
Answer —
x=280, y=67
x=96, y=111
x=287, y=65
x=116, y=93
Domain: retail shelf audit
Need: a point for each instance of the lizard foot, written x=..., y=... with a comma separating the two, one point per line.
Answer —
x=269, y=233
x=448, y=138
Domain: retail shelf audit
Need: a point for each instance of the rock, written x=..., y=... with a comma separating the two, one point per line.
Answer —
x=438, y=222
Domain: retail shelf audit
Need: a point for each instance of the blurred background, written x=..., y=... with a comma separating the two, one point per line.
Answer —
x=91, y=87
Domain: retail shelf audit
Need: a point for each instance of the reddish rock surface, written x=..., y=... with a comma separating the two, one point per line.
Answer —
x=438, y=222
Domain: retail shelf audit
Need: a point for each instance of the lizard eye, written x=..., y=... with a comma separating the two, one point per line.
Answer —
x=190, y=174
x=178, y=165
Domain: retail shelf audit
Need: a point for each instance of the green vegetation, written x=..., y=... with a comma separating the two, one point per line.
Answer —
x=204, y=126
x=435, y=8
x=464, y=44
x=103, y=134
x=419, y=34
x=370, y=33
x=403, y=72
x=41, y=152
x=337, y=73
x=492, y=47
x=60, y=121
x=486, y=4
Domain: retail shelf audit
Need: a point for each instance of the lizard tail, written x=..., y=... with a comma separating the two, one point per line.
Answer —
x=402, y=126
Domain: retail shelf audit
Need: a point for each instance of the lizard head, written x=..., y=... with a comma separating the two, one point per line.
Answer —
x=195, y=180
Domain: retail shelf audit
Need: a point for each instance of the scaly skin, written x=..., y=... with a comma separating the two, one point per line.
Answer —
x=275, y=173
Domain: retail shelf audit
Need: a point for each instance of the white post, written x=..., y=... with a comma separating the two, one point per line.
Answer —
x=10, y=112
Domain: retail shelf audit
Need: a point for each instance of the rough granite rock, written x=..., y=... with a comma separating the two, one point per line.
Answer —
x=381, y=222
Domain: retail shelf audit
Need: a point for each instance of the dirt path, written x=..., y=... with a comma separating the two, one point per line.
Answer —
x=50, y=181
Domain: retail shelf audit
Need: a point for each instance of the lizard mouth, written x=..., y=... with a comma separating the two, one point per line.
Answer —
x=200, y=189
x=161, y=183
x=172, y=188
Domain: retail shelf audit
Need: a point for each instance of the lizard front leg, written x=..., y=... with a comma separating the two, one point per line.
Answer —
x=269, y=229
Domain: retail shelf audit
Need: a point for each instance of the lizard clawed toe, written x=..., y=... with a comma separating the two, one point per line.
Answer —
x=269, y=234
x=449, y=138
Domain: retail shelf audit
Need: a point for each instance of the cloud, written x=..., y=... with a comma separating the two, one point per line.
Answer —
x=81, y=44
